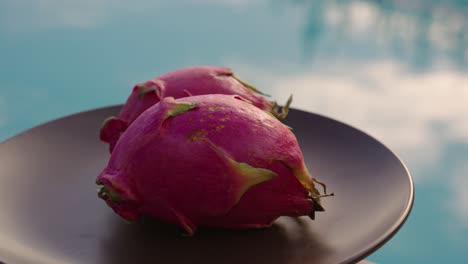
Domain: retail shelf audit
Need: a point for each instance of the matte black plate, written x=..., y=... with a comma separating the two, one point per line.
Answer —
x=49, y=211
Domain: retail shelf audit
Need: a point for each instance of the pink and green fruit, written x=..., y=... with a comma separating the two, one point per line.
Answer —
x=208, y=160
x=191, y=81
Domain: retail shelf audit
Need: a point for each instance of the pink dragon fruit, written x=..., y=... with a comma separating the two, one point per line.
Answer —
x=208, y=160
x=185, y=82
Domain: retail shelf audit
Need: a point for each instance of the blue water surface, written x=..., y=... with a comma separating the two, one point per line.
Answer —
x=395, y=69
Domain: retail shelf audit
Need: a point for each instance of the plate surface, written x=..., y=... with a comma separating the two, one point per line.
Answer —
x=50, y=212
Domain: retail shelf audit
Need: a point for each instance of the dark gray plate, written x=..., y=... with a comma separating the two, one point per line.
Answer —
x=50, y=212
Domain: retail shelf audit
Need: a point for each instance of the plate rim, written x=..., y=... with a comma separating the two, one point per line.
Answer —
x=391, y=232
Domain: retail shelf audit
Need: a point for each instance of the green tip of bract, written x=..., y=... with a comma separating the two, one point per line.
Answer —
x=180, y=108
x=251, y=176
x=248, y=175
x=143, y=89
x=106, y=192
x=254, y=175
x=249, y=86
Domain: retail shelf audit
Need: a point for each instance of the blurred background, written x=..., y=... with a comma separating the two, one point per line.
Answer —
x=396, y=69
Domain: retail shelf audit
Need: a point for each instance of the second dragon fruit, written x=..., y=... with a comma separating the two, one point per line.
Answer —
x=197, y=80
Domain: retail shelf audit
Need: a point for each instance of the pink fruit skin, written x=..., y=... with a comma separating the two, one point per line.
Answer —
x=175, y=169
x=181, y=83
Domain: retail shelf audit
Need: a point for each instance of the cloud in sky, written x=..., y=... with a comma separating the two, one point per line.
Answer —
x=413, y=113
x=419, y=32
x=416, y=114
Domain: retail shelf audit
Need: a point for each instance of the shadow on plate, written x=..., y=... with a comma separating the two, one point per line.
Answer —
x=150, y=241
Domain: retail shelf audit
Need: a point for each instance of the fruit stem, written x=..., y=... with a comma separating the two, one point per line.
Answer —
x=315, y=199
x=316, y=207
x=324, y=186
x=284, y=110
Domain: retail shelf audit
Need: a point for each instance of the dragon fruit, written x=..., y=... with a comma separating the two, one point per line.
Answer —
x=184, y=82
x=208, y=160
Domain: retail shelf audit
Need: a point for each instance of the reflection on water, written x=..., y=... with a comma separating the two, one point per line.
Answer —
x=459, y=197
x=396, y=69
x=419, y=33
x=414, y=113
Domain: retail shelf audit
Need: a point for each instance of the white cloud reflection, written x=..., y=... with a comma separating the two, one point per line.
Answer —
x=416, y=114
x=416, y=31
x=363, y=16
x=413, y=113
